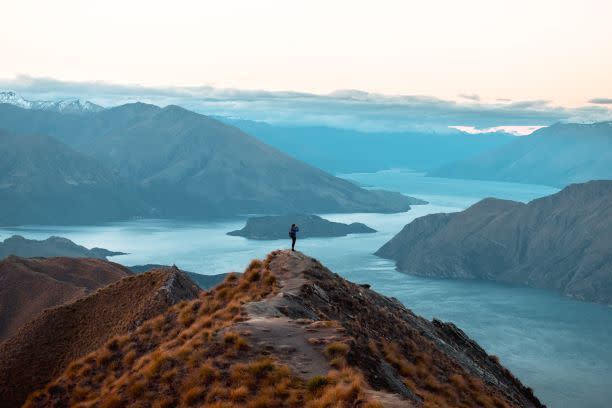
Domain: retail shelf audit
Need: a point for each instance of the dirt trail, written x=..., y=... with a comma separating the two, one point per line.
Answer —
x=299, y=341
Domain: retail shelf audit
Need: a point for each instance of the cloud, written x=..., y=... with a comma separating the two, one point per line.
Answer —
x=471, y=97
x=352, y=109
x=601, y=101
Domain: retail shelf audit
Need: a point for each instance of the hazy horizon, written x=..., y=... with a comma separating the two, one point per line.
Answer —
x=397, y=65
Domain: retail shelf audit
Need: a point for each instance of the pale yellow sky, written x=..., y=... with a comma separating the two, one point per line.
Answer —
x=521, y=50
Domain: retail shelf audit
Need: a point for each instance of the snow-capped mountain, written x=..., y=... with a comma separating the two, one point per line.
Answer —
x=63, y=106
x=12, y=98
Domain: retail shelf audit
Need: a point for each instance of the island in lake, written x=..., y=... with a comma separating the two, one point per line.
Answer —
x=277, y=227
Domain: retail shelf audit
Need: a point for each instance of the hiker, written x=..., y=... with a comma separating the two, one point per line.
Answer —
x=293, y=234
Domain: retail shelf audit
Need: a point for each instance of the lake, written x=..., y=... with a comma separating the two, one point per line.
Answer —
x=558, y=346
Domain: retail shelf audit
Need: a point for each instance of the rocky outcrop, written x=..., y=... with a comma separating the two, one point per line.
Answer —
x=562, y=242
x=289, y=333
x=28, y=286
x=50, y=247
x=42, y=348
x=277, y=227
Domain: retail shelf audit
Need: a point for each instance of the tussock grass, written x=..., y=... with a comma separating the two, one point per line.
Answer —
x=190, y=356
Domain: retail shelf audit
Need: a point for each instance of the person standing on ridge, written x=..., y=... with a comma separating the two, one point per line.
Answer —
x=293, y=234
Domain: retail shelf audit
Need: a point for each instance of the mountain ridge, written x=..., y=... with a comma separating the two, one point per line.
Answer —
x=163, y=162
x=29, y=286
x=44, y=347
x=73, y=106
x=560, y=242
x=289, y=333
x=557, y=155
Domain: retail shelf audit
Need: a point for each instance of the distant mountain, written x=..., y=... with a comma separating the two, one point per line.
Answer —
x=347, y=151
x=50, y=247
x=203, y=281
x=561, y=242
x=557, y=155
x=277, y=227
x=43, y=348
x=28, y=286
x=62, y=106
x=287, y=333
x=191, y=165
x=42, y=181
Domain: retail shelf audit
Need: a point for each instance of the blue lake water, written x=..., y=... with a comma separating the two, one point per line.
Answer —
x=556, y=345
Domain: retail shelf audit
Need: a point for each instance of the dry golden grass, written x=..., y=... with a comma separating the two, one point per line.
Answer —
x=439, y=388
x=189, y=356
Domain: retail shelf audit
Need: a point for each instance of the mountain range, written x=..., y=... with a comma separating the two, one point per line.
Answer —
x=286, y=333
x=350, y=151
x=74, y=106
x=140, y=160
x=562, y=242
x=557, y=155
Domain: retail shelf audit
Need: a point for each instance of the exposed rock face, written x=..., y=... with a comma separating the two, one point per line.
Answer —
x=50, y=247
x=42, y=348
x=203, y=281
x=28, y=286
x=556, y=155
x=277, y=227
x=335, y=343
x=562, y=241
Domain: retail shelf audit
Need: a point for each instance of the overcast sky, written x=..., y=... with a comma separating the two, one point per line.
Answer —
x=472, y=52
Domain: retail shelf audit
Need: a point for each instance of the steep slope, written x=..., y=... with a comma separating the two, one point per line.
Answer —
x=176, y=152
x=42, y=348
x=557, y=155
x=44, y=181
x=28, y=286
x=52, y=246
x=288, y=333
x=562, y=242
x=228, y=169
x=350, y=151
x=277, y=227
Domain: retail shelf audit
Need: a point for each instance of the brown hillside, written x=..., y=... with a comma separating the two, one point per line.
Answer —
x=288, y=333
x=42, y=348
x=562, y=241
x=28, y=286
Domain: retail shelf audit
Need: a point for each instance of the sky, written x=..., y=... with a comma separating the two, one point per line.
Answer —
x=473, y=53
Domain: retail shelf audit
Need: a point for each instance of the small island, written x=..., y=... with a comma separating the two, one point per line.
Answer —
x=311, y=226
